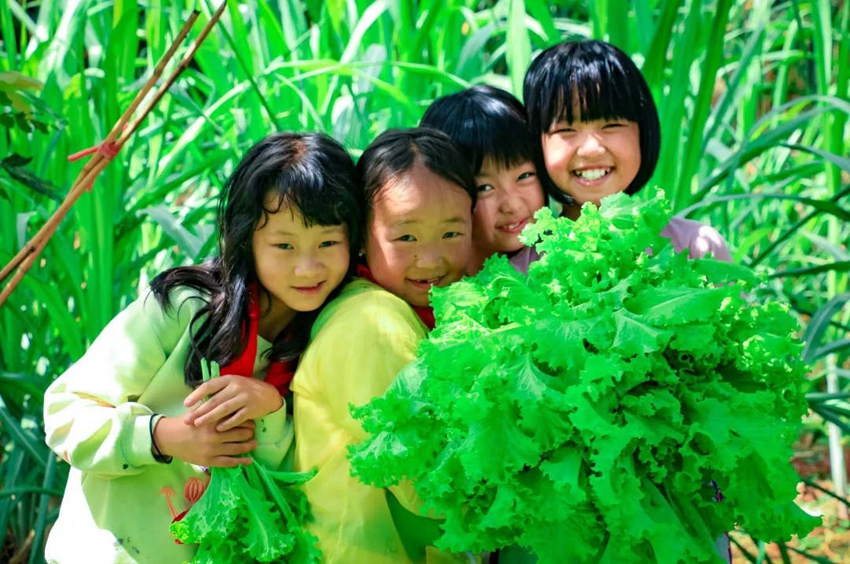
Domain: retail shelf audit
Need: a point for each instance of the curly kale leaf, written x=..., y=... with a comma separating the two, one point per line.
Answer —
x=586, y=411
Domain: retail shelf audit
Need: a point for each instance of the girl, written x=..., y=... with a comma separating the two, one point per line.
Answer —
x=598, y=130
x=419, y=194
x=599, y=134
x=488, y=126
x=286, y=217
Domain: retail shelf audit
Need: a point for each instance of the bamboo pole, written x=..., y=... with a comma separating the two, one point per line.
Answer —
x=102, y=154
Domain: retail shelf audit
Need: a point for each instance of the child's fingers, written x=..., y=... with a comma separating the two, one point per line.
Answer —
x=235, y=420
x=208, y=388
x=236, y=450
x=240, y=434
x=217, y=412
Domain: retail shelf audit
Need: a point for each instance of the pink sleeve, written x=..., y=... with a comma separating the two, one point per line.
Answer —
x=698, y=238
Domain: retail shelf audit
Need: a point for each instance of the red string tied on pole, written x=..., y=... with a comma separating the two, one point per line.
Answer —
x=107, y=149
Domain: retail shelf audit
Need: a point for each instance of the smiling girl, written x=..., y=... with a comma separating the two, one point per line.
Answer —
x=597, y=133
x=118, y=415
x=488, y=126
x=418, y=193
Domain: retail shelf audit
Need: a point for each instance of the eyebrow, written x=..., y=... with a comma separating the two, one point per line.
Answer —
x=327, y=229
x=405, y=222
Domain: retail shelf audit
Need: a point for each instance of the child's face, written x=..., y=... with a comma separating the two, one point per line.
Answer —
x=592, y=159
x=419, y=235
x=507, y=200
x=298, y=265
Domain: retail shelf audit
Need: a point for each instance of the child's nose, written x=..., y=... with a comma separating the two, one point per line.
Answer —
x=510, y=200
x=308, y=265
x=590, y=144
x=428, y=257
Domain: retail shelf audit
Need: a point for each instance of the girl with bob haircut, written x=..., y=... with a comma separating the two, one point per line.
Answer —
x=488, y=126
x=597, y=133
x=418, y=195
x=288, y=218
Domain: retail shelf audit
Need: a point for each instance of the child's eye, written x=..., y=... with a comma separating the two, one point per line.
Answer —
x=484, y=188
x=526, y=175
x=284, y=246
x=326, y=244
x=406, y=238
x=613, y=124
x=451, y=235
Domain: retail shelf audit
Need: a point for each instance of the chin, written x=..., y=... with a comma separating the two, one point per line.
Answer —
x=418, y=302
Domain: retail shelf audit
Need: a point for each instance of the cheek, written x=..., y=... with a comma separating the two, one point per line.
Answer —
x=341, y=259
x=555, y=156
x=484, y=218
x=262, y=262
x=533, y=197
x=460, y=254
x=383, y=259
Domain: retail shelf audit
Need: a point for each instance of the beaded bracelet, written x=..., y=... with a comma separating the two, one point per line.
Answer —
x=157, y=454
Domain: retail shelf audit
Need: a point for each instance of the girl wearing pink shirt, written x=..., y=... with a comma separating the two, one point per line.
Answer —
x=599, y=133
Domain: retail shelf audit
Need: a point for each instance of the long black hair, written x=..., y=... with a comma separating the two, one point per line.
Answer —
x=311, y=172
x=606, y=84
x=485, y=123
x=396, y=151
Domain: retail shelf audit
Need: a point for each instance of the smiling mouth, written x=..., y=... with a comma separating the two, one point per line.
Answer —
x=426, y=283
x=309, y=289
x=592, y=174
x=513, y=228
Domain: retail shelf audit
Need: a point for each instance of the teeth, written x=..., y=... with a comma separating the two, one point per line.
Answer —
x=592, y=173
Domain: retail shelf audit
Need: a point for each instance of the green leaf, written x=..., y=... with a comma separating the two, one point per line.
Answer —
x=601, y=394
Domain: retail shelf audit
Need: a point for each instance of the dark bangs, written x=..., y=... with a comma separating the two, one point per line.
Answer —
x=396, y=151
x=318, y=184
x=484, y=122
x=591, y=74
x=604, y=83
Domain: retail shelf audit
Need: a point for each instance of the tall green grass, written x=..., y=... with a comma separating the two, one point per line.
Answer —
x=754, y=114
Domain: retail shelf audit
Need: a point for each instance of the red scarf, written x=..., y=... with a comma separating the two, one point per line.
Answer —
x=279, y=373
x=425, y=313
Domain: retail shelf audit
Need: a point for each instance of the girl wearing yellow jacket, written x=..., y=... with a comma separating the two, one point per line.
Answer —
x=418, y=194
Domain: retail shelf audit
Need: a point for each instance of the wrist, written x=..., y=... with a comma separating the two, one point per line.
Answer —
x=279, y=402
x=160, y=443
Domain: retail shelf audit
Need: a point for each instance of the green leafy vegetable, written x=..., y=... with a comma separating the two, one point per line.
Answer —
x=585, y=411
x=250, y=514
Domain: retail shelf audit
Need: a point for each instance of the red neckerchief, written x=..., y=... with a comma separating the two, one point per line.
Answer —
x=279, y=373
x=425, y=313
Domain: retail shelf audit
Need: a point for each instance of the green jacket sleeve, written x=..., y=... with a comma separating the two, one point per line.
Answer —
x=93, y=415
x=274, y=434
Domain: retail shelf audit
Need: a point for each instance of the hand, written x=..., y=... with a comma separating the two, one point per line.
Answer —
x=204, y=445
x=232, y=401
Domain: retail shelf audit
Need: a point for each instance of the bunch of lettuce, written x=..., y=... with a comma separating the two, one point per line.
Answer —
x=250, y=514
x=587, y=411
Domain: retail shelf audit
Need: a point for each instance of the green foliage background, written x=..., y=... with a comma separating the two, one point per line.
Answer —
x=753, y=100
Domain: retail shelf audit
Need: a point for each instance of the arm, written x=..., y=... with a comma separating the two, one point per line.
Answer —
x=699, y=239
x=360, y=350
x=708, y=240
x=92, y=413
x=357, y=355
x=235, y=400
